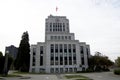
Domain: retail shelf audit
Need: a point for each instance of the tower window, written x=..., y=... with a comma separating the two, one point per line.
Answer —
x=63, y=26
x=50, y=26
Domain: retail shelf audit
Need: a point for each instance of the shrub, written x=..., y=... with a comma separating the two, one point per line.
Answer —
x=117, y=71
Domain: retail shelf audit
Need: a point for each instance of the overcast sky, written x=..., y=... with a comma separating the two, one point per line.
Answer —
x=96, y=22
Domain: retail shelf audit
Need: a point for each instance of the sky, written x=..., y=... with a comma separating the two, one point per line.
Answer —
x=96, y=22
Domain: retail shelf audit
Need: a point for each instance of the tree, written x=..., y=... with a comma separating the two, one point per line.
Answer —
x=117, y=61
x=1, y=55
x=99, y=62
x=23, y=58
x=1, y=62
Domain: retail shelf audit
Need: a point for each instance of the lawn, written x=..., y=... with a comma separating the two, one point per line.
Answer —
x=11, y=75
x=77, y=77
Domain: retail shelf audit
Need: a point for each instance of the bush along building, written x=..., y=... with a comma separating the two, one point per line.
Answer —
x=60, y=53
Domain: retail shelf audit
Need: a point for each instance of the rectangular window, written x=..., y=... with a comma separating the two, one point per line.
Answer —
x=60, y=26
x=52, y=70
x=70, y=60
x=62, y=37
x=41, y=60
x=69, y=48
x=61, y=60
x=58, y=37
x=65, y=60
x=41, y=49
x=34, y=51
x=56, y=48
x=53, y=27
x=63, y=26
x=65, y=48
x=51, y=37
x=56, y=60
x=69, y=37
x=74, y=60
x=81, y=49
x=52, y=48
x=65, y=37
x=52, y=61
x=33, y=62
x=50, y=26
x=74, y=48
x=61, y=48
x=82, y=59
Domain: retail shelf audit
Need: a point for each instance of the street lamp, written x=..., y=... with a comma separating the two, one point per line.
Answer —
x=5, y=70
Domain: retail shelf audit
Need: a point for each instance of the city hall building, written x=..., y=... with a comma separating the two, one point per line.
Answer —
x=60, y=53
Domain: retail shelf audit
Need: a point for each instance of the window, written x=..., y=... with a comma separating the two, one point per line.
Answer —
x=56, y=26
x=62, y=37
x=75, y=69
x=41, y=60
x=34, y=51
x=69, y=37
x=63, y=26
x=55, y=37
x=52, y=60
x=52, y=48
x=33, y=64
x=56, y=60
x=61, y=70
x=81, y=50
x=41, y=49
x=61, y=48
x=70, y=70
x=56, y=48
x=51, y=37
x=74, y=48
x=65, y=48
x=53, y=26
x=65, y=60
x=66, y=69
x=50, y=26
x=61, y=60
x=60, y=26
x=70, y=60
x=52, y=70
x=74, y=60
x=57, y=70
x=69, y=48
x=82, y=59
x=58, y=37
x=65, y=37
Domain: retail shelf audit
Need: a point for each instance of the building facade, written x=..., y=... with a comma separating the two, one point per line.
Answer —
x=13, y=51
x=60, y=53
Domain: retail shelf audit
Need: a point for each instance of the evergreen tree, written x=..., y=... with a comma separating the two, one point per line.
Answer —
x=23, y=58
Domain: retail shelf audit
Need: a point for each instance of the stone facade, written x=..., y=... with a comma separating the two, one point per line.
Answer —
x=60, y=53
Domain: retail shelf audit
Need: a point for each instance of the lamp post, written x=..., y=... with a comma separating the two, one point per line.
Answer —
x=5, y=70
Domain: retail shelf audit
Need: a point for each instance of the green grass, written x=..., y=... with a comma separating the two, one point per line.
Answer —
x=17, y=72
x=11, y=75
x=77, y=77
x=74, y=76
x=83, y=79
